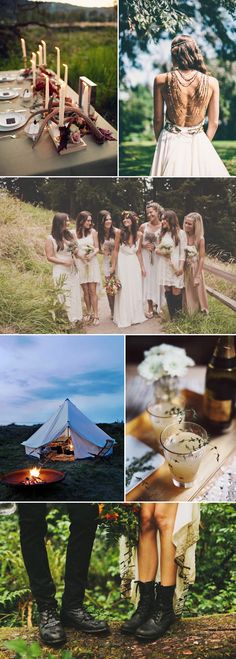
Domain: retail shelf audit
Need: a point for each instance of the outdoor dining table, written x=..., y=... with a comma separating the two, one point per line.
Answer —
x=18, y=158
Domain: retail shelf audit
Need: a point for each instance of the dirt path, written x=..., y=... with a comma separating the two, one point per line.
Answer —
x=153, y=326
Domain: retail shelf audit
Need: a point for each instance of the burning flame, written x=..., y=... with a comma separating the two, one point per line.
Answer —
x=34, y=472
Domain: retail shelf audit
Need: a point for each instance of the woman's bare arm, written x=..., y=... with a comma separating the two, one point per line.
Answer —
x=50, y=254
x=115, y=251
x=158, y=105
x=139, y=253
x=213, y=109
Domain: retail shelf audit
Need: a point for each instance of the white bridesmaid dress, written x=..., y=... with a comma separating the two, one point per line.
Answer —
x=128, y=308
x=89, y=272
x=70, y=296
x=168, y=265
x=152, y=290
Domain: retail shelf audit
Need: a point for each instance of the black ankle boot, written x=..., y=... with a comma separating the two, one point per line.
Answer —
x=170, y=303
x=162, y=618
x=79, y=618
x=50, y=629
x=177, y=304
x=144, y=609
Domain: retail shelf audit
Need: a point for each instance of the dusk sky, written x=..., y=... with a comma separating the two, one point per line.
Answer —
x=38, y=372
x=85, y=3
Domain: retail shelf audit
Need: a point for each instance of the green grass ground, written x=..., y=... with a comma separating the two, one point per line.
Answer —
x=221, y=320
x=136, y=159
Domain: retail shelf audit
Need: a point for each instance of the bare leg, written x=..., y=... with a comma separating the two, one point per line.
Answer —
x=86, y=297
x=176, y=291
x=93, y=297
x=165, y=514
x=150, y=306
x=147, y=545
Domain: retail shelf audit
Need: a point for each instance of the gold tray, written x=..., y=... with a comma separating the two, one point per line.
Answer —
x=158, y=486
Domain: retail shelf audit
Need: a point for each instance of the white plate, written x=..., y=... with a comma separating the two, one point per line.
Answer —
x=11, y=120
x=7, y=78
x=5, y=94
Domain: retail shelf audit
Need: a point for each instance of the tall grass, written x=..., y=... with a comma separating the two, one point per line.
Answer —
x=221, y=320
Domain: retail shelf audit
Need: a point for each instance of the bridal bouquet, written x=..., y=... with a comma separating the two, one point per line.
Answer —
x=163, y=361
x=166, y=245
x=120, y=520
x=88, y=249
x=152, y=239
x=191, y=252
x=113, y=285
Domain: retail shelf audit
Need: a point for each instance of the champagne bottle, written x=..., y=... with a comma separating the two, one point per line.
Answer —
x=220, y=390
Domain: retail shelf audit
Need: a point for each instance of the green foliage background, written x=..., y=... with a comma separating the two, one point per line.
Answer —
x=213, y=591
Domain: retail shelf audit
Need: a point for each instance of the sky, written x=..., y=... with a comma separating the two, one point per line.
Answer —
x=84, y=3
x=38, y=372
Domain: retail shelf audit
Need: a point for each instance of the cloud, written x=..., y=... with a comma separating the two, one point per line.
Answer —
x=39, y=372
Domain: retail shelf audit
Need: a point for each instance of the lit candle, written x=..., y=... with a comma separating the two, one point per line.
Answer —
x=58, y=63
x=66, y=74
x=23, y=49
x=46, y=91
x=40, y=51
x=62, y=104
x=44, y=52
x=33, y=62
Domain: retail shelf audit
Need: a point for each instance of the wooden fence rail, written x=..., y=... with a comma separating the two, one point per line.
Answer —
x=227, y=276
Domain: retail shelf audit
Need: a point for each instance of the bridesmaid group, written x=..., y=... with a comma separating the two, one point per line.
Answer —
x=156, y=264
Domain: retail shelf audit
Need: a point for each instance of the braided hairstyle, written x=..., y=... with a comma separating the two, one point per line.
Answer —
x=186, y=54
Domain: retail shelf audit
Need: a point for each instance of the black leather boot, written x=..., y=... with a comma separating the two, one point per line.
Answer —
x=177, y=304
x=144, y=609
x=50, y=629
x=80, y=618
x=170, y=304
x=162, y=618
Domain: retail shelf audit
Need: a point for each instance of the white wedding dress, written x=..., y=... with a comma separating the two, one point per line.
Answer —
x=185, y=536
x=128, y=308
x=184, y=151
x=151, y=284
x=70, y=296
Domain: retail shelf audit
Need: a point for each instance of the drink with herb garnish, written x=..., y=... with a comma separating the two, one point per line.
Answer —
x=184, y=445
x=161, y=414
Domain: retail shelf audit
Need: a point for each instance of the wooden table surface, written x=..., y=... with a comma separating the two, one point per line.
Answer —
x=158, y=486
x=18, y=158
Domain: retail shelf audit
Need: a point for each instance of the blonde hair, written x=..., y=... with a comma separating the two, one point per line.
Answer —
x=198, y=226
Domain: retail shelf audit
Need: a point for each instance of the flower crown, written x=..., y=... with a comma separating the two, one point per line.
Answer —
x=181, y=43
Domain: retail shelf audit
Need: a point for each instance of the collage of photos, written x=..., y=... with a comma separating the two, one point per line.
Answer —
x=117, y=329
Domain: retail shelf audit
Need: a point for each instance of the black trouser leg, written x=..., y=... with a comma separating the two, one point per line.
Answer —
x=84, y=519
x=33, y=528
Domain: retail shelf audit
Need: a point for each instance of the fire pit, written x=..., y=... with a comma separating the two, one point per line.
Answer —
x=32, y=477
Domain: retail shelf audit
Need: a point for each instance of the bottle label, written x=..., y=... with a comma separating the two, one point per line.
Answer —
x=216, y=410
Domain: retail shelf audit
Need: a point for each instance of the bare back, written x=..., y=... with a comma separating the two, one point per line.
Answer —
x=186, y=97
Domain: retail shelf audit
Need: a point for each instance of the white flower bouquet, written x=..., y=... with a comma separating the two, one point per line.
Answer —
x=191, y=251
x=164, y=360
x=166, y=245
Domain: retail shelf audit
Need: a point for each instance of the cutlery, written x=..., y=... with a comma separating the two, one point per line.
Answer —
x=3, y=137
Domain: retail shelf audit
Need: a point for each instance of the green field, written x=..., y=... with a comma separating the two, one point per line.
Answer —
x=90, y=52
x=85, y=480
x=136, y=159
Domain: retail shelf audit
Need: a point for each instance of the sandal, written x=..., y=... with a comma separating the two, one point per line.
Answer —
x=96, y=321
x=149, y=314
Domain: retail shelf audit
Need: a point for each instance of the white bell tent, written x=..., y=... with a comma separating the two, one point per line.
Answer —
x=69, y=433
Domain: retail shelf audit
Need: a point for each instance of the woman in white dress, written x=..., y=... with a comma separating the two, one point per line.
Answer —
x=171, y=251
x=106, y=238
x=127, y=262
x=166, y=554
x=65, y=271
x=195, y=295
x=153, y=294
x=190, y=95
x=90, y=278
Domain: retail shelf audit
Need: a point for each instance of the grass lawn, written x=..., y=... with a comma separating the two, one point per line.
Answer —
x=221, y=320
x=136, y=159
x=85, y=480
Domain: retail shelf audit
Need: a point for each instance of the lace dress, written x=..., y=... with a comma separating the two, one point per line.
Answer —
x=151, y=287
x=89, y=272
x=186, y=150
x=195, y=297
x=70, y=296
x=128, y=309
x=168, y=264
x=185, y=537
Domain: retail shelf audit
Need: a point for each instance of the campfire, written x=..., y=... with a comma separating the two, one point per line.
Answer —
x=32, y=477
